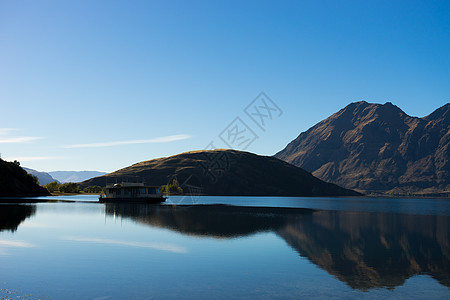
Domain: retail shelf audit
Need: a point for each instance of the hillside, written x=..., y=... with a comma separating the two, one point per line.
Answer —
x=75, y=176
x=225, y=172
x=377, y=148
x=43, y=177
x=14, y=182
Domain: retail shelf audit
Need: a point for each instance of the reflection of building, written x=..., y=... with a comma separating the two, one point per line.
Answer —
x=364, y=250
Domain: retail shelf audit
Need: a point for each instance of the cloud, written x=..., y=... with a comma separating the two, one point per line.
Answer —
x=5, y=131
x=156, y=246
x=164, y=139
x=21, y=139
x=32, y=158
x=5, y=137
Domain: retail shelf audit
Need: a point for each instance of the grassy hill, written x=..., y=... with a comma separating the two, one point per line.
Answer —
x=227, y=173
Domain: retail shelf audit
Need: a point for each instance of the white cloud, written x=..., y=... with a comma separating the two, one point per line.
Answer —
x=5, y=131
x=20, y=139
x=5, y=137
x=32, y=158
x=164, y=139
x=156, y=246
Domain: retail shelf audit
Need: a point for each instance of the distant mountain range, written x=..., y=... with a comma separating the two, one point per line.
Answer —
x=63, y=176
x=377, y=148
x=225, y=172
x=43, y=177
x=75, y=176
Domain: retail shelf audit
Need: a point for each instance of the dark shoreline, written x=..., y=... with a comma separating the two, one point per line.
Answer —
x=22, y=200
x=31, y=199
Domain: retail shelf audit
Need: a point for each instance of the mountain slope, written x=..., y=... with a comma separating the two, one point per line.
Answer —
x=225, y=172
x=74, y=176
x=14, y=181
x=374, y=147
x=43, y=177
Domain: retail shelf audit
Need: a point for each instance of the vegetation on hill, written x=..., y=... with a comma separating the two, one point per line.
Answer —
x=95, y=189
x=15, y=181
x=171, y=188
x=68, y=187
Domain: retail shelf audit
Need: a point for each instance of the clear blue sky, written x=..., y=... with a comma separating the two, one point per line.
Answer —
x=99, y=85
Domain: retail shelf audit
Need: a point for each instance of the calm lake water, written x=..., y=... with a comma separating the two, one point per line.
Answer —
x=346, y=248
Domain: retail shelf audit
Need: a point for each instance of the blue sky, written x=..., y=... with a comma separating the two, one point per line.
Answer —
x=100, y=85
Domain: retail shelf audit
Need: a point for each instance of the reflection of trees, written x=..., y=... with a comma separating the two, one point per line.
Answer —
x=364, y=250
x=12, y=215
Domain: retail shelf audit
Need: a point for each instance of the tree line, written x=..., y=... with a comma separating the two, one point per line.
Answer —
x=71, y=187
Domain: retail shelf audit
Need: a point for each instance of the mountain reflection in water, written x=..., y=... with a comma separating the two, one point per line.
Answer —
x=363, y=249
x=11, y=215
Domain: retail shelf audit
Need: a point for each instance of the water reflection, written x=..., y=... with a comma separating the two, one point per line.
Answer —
x=370, y=250
x=209, y=220
x=11, y=215
x=365, y=250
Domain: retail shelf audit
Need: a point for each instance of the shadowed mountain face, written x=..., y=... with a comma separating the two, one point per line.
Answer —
x=364, y=250
x=227, y=173
x=12, y=215
x=374, y=147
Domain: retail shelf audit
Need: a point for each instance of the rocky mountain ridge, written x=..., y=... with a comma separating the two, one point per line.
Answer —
x=377, y=148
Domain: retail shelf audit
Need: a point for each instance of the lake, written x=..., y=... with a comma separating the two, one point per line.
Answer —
x=263, y=247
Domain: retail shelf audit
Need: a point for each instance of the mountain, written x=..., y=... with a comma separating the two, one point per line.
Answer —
x=225, y=172
x=75, y=176
x=377, y=148
x=16, y=182
x=43, y=177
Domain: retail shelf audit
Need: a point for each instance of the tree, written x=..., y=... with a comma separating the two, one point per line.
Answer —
x=69, y=187
x=172, y=188
x=35, y=179
x=52, y=186
x=93, y=189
